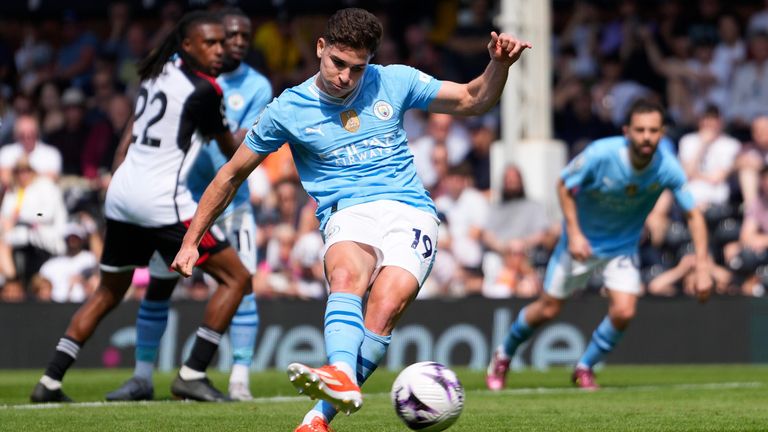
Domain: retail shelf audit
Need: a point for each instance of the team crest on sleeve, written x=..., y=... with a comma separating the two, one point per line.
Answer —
x=576, y=164
x=350, y=120
x=236, y=101
x=383, y=110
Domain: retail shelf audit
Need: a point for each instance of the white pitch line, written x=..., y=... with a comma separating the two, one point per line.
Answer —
x=517, y=391
x=701, y=386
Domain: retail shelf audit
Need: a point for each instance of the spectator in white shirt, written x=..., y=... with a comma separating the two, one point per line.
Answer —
x=442, y=131
x=466, y=210
x=68, y=274
x=43, y=158
x=708, y=157
x=33, y=217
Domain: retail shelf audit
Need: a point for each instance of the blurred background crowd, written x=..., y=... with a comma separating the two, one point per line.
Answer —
x=68, y=80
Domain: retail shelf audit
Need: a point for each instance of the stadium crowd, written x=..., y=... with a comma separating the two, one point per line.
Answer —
x=67, y=85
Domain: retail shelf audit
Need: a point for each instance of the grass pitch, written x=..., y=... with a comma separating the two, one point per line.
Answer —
x=633, y=398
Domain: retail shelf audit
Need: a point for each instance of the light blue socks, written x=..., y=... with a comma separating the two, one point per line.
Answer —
x=519, y=332
x=150, y=326
x=604, y=339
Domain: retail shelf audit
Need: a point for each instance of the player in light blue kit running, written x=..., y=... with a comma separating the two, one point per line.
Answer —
x=344, y=127
x=245, y=93
x=605, y=194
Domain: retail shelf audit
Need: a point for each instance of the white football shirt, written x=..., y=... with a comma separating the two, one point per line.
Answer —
x=176, y=112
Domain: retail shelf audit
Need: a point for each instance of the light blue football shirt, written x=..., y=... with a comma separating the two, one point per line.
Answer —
x=246, y=93
x=353, y=150
x=613, y=198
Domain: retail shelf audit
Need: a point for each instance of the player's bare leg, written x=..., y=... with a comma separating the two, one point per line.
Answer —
x=349, y=266
x=393, y=290
x=234, y=282
x=110, y=293
x=622, y=308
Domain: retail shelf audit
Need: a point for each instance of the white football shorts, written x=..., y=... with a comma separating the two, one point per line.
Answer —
x=402, y=235
x=566, y=275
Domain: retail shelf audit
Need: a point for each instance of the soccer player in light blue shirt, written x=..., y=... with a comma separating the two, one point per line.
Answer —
x=606, y=194
x=245, y=93
x=344, y=128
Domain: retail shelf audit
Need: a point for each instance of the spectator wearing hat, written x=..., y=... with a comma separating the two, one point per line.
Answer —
x=68, y=274
x=43, y=158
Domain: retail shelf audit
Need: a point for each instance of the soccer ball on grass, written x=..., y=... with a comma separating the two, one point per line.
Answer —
x=427, y=397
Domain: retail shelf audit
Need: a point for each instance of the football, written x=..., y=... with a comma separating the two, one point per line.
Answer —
x=427, y=396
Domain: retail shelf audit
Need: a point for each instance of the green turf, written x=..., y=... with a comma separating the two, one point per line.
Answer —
x=634, y=398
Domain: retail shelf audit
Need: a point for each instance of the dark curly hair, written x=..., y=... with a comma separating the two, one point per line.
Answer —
x=354, y=28
x=152, y=65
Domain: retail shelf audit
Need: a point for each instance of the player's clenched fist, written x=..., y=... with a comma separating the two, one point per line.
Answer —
x=185, y=260
x=506, y=48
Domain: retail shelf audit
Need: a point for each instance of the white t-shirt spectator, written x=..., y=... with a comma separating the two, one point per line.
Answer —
x=468, y=212
x=306, y=253
x=457, y=143
x=44, y=159
x=66, y=275
x=720, y=155
x=42, y=216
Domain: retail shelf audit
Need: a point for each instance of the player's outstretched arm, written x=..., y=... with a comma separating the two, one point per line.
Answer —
x=698, y=228
x=215, y=199
x=482, y=93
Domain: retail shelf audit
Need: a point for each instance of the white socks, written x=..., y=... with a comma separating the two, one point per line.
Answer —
x=50, y=383
x=239, y=374
x=188, y=374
